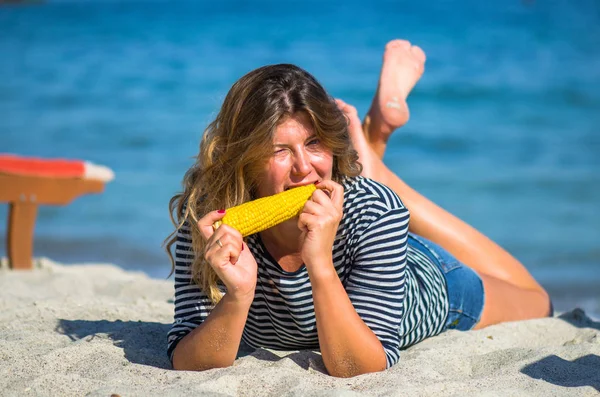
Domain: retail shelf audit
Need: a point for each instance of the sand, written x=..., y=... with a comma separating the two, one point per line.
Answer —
x=98, y=330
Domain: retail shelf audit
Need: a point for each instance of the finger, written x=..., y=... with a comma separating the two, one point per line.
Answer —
x=322, y=208
x=226, y=234
x=313, y=207
x=205, y=224
x=308, y=222
x=304, y=220
x=221, y=254
x=336, y=191
x=321, y=197
x=233, y=252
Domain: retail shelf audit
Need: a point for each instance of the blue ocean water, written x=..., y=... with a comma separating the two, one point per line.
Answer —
x=504, y=129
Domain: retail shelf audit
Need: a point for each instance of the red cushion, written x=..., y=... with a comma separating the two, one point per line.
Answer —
x=34, y=166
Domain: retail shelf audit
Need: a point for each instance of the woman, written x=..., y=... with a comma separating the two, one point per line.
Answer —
x=350, y=275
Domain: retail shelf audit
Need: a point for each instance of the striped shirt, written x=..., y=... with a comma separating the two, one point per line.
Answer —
x=396, y=289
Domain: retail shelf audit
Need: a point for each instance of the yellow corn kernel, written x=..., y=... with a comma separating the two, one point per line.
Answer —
x=263, y=213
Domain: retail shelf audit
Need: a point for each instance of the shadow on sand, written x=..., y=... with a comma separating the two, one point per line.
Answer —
x=584, y=371
x=305, y=359
x=142, y=342
x=579, y=319
x=580, y=372
x=145, y=343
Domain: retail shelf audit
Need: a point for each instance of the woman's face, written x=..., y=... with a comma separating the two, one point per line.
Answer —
x=298, y=157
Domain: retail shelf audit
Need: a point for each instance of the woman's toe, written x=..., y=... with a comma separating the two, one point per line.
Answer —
x=418, y=53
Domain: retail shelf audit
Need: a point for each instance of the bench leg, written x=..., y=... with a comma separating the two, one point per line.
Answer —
x=21, y=222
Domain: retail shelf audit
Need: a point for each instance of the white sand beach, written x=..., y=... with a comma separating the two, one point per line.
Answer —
x=98, y=330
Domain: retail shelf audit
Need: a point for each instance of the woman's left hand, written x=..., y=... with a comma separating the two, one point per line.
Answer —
x=319, y=221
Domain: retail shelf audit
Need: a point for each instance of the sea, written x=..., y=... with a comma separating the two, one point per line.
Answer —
x=504, y=129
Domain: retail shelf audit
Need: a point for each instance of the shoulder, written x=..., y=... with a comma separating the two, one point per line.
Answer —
x=365, y=191
x=372, y=210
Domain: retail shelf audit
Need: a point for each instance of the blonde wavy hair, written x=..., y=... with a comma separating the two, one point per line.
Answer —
x=237, y=145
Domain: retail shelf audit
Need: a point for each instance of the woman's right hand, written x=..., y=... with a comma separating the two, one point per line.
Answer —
x=230, y=258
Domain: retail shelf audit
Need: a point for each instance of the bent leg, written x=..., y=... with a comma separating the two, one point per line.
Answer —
x=427, y=219
x=507, y=302
x=463, y=241
x=403, y=65
x=511, y=292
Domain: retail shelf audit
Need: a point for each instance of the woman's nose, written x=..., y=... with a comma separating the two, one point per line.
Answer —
x=302, y=164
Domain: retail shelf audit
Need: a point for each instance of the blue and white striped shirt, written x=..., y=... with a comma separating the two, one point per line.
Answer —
x=396, y=289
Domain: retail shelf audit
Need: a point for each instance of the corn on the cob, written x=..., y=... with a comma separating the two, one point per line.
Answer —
x=263, y=213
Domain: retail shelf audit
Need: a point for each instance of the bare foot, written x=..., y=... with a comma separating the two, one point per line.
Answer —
x=403, y=66
x=366, y=155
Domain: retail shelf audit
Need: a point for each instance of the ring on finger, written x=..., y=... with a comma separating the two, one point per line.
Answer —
x=219, y=243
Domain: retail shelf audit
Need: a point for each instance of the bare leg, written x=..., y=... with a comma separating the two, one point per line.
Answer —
x=505, y=301
x=403, y=65
x=501, y=273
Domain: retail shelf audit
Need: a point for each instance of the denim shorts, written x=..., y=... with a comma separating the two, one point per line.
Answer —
x=465, y=288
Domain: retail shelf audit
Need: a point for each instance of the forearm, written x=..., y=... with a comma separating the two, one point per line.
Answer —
x=348, y=346
x=215, y=342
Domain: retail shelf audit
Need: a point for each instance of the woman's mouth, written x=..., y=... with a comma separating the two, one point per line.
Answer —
x=298, y=185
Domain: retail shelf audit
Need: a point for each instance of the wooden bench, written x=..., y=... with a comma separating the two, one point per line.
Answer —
x=27, y=182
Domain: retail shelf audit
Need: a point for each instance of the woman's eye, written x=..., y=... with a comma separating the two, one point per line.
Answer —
x=313, y=142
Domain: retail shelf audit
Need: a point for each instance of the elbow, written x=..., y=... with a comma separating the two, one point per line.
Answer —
x=183, y=362
x=180, y=366
x=199, y=367
x=350, y=368
x=350, y=372
x=347, y=364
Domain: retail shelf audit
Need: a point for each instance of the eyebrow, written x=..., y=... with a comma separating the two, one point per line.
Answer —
x=307, y=139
